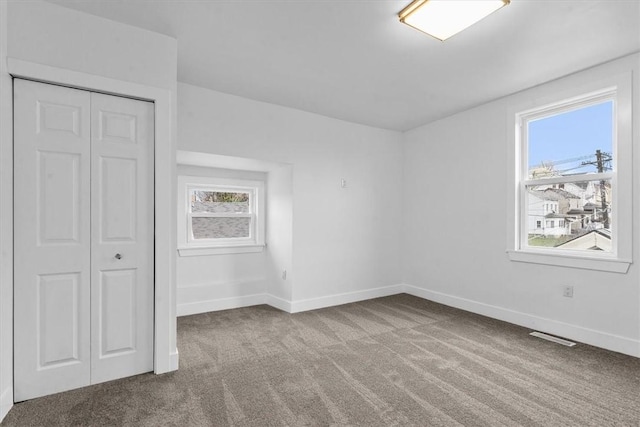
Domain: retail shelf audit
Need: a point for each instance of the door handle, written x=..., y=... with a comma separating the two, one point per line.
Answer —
x=118, y=256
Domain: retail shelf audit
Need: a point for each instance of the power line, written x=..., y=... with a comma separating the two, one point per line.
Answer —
x=575, y=159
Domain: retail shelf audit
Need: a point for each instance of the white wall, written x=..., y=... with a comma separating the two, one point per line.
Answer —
x=216, y=282
x=94, y=49
x=345, y=240
x=6, y=225
x=280, y=237
x=49, y=34
x=455, y=216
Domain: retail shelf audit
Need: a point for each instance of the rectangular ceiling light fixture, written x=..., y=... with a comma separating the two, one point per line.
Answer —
x=444, y=18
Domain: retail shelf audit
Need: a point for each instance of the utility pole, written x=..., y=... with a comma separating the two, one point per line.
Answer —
x=601, y=158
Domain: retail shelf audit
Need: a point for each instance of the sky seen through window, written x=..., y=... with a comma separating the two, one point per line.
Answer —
x=566, y=140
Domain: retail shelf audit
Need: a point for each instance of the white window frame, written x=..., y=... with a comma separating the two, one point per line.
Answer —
x=618, y=89
x=188, y=246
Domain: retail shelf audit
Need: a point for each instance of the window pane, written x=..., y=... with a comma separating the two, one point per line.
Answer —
x=574, y=215
x=219, y=202
x=574, y=142
x=220, y=228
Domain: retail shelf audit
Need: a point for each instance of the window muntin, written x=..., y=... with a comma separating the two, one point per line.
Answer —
x=567, y=176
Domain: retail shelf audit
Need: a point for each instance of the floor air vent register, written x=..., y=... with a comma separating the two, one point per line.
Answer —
x=552, y=339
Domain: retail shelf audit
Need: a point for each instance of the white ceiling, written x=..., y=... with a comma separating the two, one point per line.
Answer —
x=353, y=60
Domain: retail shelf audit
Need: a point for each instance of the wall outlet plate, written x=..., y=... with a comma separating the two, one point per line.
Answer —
x=567, y=291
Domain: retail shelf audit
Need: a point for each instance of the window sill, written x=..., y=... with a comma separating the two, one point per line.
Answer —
x=613, y=265
x=220, y=250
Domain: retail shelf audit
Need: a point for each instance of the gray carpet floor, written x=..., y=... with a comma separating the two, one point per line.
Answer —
x=390, y=361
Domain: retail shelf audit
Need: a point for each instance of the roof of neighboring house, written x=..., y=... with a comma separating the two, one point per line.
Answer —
x=599, y=239
x=580, y=184
x=561, y=194
x=576, y=212
x=542, y=195
x=554, y=194
x=604, y=232
x=555, y=215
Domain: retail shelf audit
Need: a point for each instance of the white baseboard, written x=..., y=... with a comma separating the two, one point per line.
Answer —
x=206, y=306
x=6, y=402
x=174, y=362
x=577, y=333
x=279, y=303
x=346, y=298
x=198, y=307
x=169, y=364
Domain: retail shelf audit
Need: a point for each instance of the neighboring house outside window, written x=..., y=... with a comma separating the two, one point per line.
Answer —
x=218, y=216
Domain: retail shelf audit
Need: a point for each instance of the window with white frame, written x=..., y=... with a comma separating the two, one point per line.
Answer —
x=220, y=216
x=573, y=174
x=567, y=154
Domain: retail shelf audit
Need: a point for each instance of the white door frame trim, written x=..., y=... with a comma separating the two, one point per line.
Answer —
x=165, y=349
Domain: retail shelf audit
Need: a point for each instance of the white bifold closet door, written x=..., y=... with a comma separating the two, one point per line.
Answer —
x=83, y=238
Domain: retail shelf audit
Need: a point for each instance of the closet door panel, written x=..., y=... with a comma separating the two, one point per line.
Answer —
x=122, y=237
x=118, y=217
x=118, y=312
x=52, y=239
